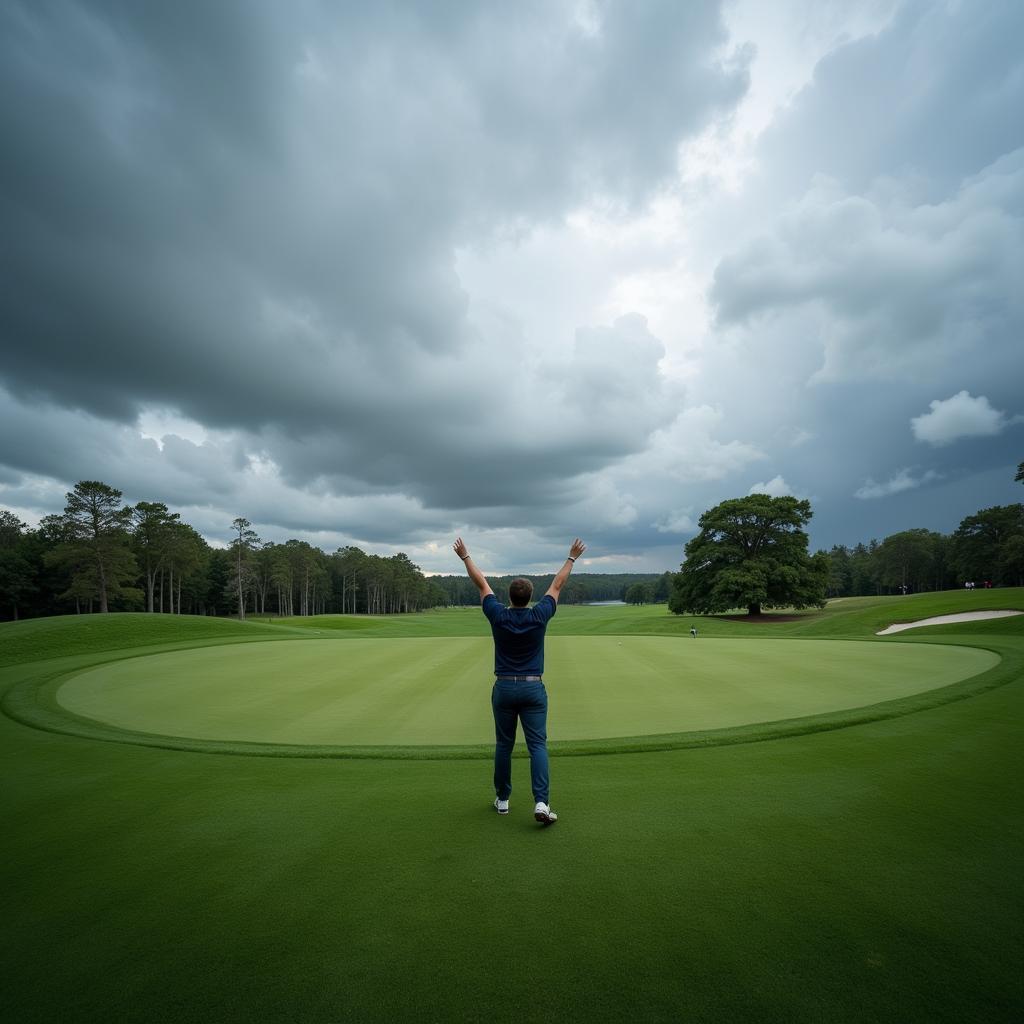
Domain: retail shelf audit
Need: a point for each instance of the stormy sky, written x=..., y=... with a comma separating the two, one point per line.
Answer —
x=380, y=274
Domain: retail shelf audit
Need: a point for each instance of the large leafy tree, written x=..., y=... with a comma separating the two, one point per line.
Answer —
x=751, y=553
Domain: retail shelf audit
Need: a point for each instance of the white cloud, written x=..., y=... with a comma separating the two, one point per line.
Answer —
x=157, y=423
x=776, y=487
x=904, y=480
x=960, y=416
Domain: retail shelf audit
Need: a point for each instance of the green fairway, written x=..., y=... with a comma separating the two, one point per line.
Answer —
x=436, y=691
x=865, y=870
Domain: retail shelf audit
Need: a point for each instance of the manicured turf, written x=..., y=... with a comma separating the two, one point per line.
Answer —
x=434, y=690
x=867, y=873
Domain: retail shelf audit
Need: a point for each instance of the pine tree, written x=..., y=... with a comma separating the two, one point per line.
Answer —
x=96, y=548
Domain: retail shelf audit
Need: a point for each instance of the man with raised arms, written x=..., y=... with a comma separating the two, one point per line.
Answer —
x=519, y=694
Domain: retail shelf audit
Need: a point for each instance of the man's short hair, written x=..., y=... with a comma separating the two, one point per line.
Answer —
x=519, y=592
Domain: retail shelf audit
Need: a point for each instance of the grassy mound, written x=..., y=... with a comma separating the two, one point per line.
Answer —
x=66, y=635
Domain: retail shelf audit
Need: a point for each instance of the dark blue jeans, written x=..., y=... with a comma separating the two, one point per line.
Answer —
x=527, y=703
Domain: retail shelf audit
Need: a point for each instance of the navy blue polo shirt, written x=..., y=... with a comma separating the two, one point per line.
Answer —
x=519, y=635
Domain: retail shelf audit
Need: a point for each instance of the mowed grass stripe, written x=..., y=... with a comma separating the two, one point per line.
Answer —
x=399, y=692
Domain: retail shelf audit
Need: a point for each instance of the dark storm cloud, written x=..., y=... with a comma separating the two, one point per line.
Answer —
x=69, y=445
x=209, y=483
x=253, y=214
x=532, y=431
x=249, y=212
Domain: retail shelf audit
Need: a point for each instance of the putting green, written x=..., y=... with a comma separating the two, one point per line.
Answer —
x=436, y=691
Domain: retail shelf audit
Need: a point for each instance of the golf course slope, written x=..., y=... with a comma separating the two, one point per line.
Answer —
x=862, y=866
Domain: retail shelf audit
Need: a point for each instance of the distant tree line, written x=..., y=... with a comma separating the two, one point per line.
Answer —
x=987, y=547
x=103, y=555
x=582, y=588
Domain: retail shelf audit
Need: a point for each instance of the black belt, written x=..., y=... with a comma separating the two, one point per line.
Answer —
x=522, y=679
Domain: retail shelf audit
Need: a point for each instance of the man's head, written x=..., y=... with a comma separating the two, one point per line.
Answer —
x=519, y=593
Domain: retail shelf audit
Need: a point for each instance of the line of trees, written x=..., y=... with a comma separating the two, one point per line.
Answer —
x=656, y=591
x=752, y=552
x=987, y=547
x=582, y=588
x=101, y=555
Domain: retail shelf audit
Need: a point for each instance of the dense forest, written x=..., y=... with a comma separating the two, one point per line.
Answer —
x=987, y=549
x=101, y=555
x=582, y=588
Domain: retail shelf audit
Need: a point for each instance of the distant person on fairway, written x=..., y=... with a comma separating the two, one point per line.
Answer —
x=519, y=693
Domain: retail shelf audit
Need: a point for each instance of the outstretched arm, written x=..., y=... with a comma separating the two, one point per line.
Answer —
x=474, y=573
x=577, y=549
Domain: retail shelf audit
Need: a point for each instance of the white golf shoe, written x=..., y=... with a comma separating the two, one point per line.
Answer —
x=501, y=806
x=544, y=814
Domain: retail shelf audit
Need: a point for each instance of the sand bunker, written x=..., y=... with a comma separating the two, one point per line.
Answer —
x=940, y=620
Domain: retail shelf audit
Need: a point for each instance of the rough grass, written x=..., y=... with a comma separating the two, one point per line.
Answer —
x=869, y=873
